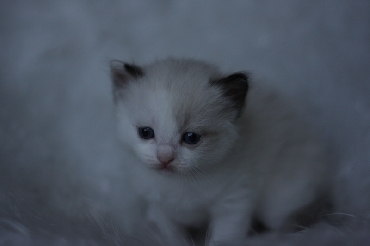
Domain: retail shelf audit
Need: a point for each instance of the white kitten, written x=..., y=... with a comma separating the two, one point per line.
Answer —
x=199, y=156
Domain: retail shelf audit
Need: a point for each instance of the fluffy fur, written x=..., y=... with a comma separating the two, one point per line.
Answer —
x=259, y=161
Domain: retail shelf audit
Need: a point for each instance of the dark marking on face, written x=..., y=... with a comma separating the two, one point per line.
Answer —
x=234, y=87
x=121, y=72
x=133, y=70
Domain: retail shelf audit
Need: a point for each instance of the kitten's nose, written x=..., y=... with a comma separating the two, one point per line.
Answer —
x=165, y=160
x=165, y=154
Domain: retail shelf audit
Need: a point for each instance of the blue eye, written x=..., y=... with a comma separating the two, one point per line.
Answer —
x=191, y=137
x=146, y=132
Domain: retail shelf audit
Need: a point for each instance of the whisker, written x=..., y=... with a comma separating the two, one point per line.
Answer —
x=204, y=174
x=344, y=214
x=183, y=183
x=197, y=174
x=192, y=177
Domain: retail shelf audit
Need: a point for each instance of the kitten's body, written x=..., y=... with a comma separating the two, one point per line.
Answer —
x=259, y=160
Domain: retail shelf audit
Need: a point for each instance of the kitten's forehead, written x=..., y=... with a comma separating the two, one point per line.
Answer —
x=176, y=96
x=176, y=109
x=183, y=91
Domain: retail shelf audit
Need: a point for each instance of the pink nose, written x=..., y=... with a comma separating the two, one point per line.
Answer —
x=165, y=160
x=165, y=154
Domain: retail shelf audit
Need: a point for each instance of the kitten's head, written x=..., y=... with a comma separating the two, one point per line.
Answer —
x=177, y=115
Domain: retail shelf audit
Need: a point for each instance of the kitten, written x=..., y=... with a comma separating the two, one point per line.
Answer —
x=198, y=154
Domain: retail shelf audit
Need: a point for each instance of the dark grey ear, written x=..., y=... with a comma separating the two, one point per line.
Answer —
x=122, y=72
x=234, y=87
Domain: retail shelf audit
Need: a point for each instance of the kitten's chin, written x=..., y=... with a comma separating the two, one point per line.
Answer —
x=167, y=171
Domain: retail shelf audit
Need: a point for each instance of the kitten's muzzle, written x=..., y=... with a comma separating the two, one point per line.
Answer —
x=165, y=154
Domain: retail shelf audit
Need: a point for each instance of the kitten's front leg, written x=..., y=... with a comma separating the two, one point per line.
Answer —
x=229, y=226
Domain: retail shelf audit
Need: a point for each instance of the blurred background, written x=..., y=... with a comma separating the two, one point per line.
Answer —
x=58, y=155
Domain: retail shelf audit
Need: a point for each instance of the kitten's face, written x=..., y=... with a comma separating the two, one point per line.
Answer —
x=175, y=115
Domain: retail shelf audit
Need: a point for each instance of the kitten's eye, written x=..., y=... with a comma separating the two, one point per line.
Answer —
x=146, y=132
x=191, y=138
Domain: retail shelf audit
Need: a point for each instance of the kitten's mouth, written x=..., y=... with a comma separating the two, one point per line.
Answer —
x=166, y=169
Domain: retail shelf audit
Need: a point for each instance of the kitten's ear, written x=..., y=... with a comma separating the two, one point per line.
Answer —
x=234, y=87
x=122, y=72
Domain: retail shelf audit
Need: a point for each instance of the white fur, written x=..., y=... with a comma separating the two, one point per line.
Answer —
x=266, y=163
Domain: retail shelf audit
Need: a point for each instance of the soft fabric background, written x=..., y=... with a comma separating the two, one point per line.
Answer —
x=59, y=163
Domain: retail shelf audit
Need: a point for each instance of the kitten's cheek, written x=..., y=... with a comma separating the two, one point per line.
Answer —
x=182, y=168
